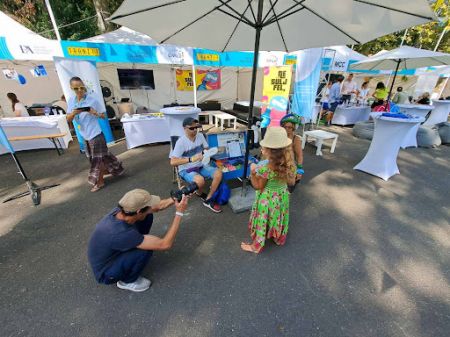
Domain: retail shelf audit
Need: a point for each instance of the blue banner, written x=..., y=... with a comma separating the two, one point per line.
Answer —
x=4, y=51
x=107, y=52
x=4, y=141
x=307, y=76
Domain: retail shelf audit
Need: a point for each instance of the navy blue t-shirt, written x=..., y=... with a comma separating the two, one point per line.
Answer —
x=111, y=237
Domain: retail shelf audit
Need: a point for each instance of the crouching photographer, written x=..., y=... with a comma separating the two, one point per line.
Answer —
x=120, y=246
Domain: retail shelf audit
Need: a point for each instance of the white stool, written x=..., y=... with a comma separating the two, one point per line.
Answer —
x=319, y=136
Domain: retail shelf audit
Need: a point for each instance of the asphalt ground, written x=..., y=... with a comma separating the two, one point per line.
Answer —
x=364, y=257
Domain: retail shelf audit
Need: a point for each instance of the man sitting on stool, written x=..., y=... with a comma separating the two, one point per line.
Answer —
x=188, y=155
x=120, y=246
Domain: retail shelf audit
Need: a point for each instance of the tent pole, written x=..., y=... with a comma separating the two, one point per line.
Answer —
x=258, y=27
x=194, y=83
x=52, y=19
x=393, y=80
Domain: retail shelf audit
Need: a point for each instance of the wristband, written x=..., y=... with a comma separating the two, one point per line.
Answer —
x=179, y=214
x=299, y=166
x=300, y=171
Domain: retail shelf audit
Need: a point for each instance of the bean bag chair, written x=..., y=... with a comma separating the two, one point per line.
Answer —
x=363, y=130
x=428, y=136
x=444, y=132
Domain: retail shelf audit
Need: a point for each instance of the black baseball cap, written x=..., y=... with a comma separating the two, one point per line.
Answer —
x=189, y=121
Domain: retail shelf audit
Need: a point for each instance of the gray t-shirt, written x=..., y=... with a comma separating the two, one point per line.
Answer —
x=185, y=148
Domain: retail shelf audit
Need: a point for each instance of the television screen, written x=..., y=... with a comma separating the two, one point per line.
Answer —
x=130, y=79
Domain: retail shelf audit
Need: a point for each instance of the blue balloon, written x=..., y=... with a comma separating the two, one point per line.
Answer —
x=21, y=79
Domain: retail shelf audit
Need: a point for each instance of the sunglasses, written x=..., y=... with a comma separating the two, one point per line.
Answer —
x=192, y=128
x=78, y=88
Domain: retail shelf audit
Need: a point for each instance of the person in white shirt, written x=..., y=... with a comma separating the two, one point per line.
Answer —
x=17, y=107
x=85, y=110
x=363, y=93
x=348, y=88
x=187, y=155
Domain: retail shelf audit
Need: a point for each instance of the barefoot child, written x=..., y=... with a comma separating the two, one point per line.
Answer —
x=270, y=212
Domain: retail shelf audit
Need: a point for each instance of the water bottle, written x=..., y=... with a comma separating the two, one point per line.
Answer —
x=47, y=111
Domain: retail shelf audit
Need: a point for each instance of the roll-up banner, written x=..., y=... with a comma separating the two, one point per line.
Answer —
x=4, y=142
x=276, y=88
x=87, y=71
x=307, y=76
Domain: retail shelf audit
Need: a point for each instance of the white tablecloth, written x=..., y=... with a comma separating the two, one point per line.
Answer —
x=388, y=137
x=176, y=115
x=440, y=112
x=419, y=110
x=145, y=130
x=33, y=126
x=350, y=115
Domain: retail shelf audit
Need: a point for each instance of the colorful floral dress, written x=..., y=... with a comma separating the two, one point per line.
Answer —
x=269, y=217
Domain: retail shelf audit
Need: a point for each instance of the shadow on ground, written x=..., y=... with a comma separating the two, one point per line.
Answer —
x=364, y=257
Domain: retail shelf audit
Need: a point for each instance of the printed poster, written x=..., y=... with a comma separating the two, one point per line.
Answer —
x=276, y=88
x=205, y=79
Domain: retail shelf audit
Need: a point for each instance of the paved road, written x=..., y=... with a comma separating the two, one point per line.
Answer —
x=363, y=257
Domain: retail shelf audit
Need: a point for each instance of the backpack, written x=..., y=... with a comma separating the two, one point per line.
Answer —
x=222, y=195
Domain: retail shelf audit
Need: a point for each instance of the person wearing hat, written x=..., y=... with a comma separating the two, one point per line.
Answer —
x=290, y=123
x=121, y=246
x=187, y=155
x=269, y=217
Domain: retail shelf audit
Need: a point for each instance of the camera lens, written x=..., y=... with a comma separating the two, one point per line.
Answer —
x=186, y=190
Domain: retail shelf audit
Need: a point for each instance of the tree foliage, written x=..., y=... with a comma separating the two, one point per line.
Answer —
x=34, y=15
x=424, y=36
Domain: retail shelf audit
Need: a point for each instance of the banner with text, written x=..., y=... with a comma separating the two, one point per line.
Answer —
x=4, y=142
x=276, y=87
x=87, y=71
x=205, y=79
x=307, y=76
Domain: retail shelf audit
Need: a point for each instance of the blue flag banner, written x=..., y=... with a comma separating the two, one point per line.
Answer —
x=307, y=76
x=4, y=141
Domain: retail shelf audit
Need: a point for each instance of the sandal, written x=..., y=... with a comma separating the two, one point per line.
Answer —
x=97, y=188
x=248, y=247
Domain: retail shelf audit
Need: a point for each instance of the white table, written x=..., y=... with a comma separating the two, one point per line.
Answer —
x=388, y=137
x=350, y=115
x=440, y=112
x=419, y=110
x=34, y=126
x=175, y=117
x=319, y=136
x=221, y=116
x=142, y=130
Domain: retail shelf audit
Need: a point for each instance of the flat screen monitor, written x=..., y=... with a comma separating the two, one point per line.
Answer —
x=131, y=79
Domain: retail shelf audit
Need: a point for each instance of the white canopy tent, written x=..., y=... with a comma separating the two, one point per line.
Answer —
x=123, y=35
x=165, y=81
x=28, y=50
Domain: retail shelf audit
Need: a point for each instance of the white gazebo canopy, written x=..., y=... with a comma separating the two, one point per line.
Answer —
x=123, y=35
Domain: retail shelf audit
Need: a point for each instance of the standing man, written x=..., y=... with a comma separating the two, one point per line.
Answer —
x=348, y=88
x=187, y=156
x=85, y=110
x=400, y=97
x=121, y=246
x=334, y=98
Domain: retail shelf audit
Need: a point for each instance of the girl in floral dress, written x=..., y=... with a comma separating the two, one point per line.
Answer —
x=269, y=216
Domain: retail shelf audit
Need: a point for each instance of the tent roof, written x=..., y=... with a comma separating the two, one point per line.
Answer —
x=407, y=57
x=348, y=52
x=12, y=29
x=123, y=35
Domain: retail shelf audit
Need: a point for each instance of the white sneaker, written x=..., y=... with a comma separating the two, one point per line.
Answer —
x=141, y=284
